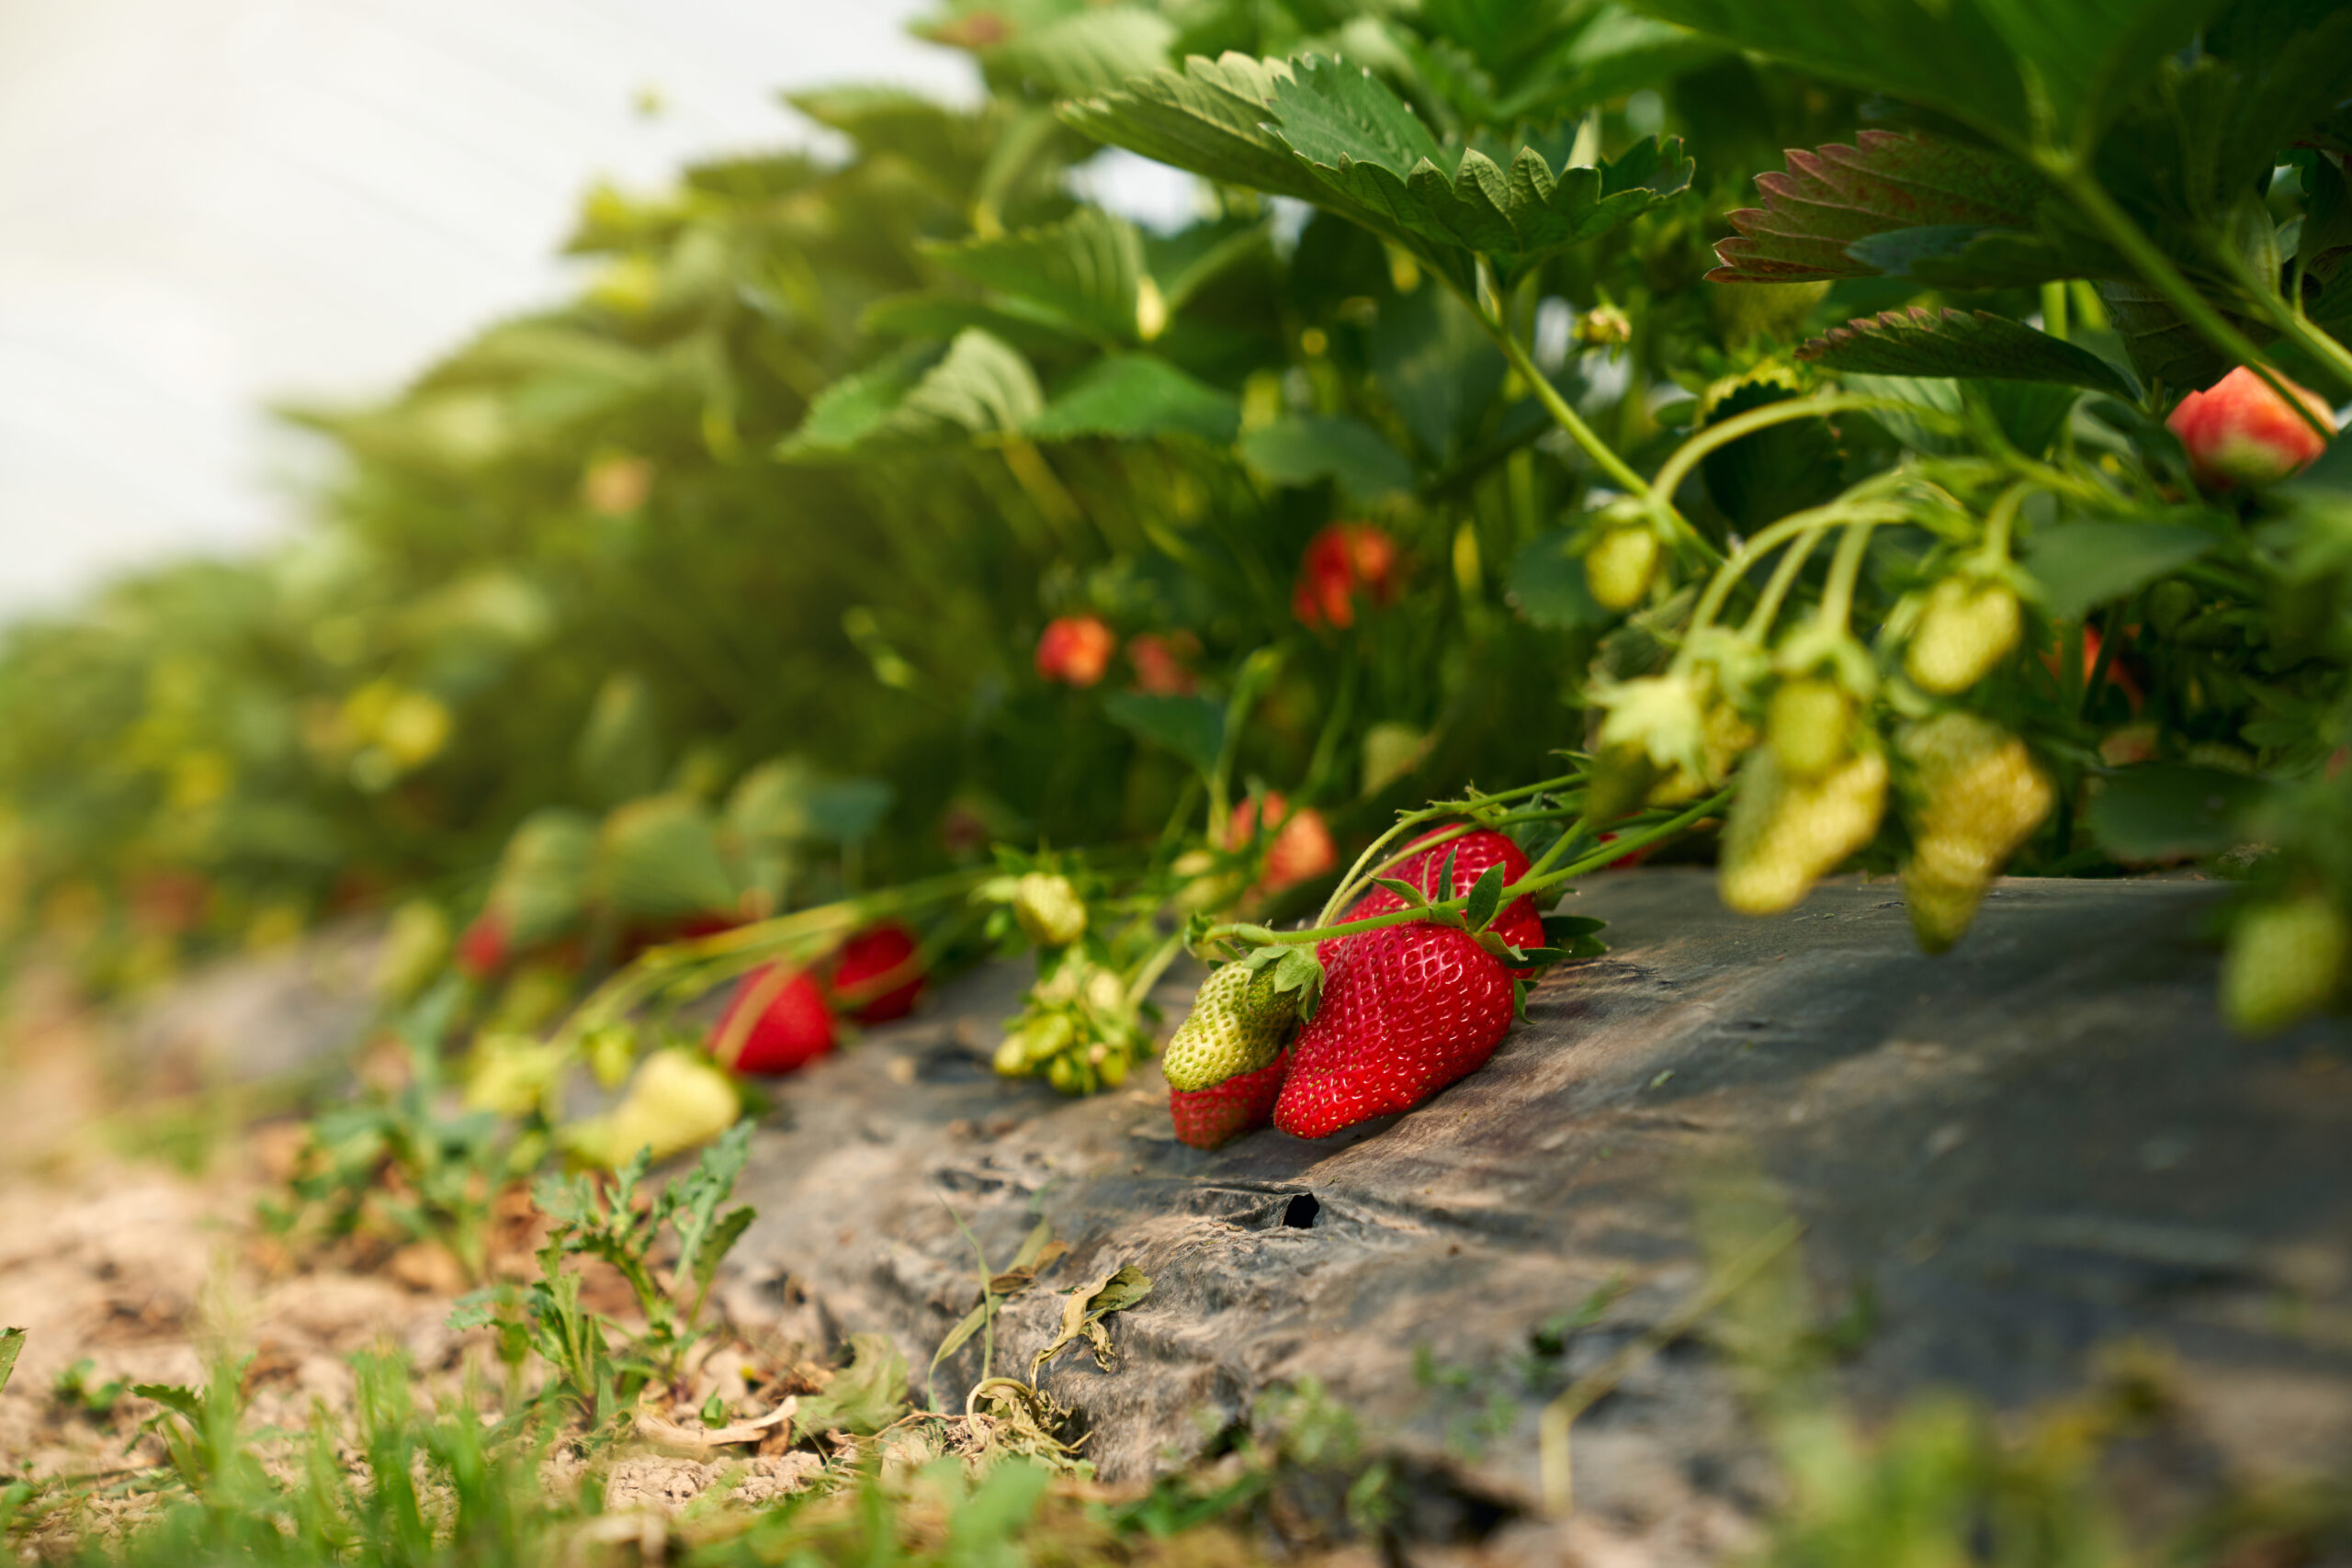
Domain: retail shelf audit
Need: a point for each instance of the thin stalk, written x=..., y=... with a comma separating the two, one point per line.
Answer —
x=1356, y=878
x=2293, y=324
x=1532, y=884
x=1687, y=456
x=2160, y=272
x=1777, y=586
x=2053, y=310
x=1843, y=510
x=1627, y=479
x=1845, y=569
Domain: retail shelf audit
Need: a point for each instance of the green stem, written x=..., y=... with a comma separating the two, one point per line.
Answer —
x=1846, y=509
x=1358, y=876
x=2159, y=271
x=1627, y=479
x=2053, y=310
x=1532, y=884
x=1845, y=569
x=1687, y=456
x=1776, y=587
x=2293, y=324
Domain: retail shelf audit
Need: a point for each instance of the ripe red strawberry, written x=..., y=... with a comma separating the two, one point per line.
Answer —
x=792, y=1028
x=1518, y=924
x=1208, y=1118
x=1342, y=559
x=868, y=956
x=1076, y=650
x=482, y=948
x=2240, y=431
x=1406, y=1010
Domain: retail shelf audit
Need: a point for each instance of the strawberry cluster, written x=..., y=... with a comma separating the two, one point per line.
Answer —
x=779, y=1019
x=1404, y=1011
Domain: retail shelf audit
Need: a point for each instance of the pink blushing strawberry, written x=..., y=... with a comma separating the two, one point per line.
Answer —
x=1159, y=663
x=1209, y=1118
x=1518, y=924
x=790, y=1025
x=1302, y=848
x=1406, y=1010
x=872, y=957
x=2240, y=431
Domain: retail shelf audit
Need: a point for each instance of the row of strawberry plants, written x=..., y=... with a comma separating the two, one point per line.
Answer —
x=870, y=510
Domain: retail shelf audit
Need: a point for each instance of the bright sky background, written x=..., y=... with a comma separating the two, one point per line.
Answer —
x=207, y=204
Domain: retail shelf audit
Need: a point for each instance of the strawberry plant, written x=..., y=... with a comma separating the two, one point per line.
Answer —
x=898, y=540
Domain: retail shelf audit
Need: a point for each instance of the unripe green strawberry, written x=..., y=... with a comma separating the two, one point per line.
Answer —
x=1979, y=795
x=1618, y=567
x=1238, y=1024
x=1806, y=725
x=1786, y=833
x=1050, y=910
x=1966, y=628
x=2286, y=961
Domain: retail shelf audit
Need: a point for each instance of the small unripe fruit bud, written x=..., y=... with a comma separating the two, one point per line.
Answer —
x=1620, y=565
x=2239, y=432
x=2286, y=961
x=1966, y=629
x=1050, y=910
x=1806, y=726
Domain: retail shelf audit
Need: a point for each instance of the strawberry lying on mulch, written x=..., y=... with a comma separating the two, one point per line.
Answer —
x=1390, y=1015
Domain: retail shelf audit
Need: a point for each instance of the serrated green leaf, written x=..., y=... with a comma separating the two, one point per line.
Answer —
x=1210, y=118
x=928, y=314
x=12, y=1344
x=1333, y=113
x=2164, y=350
x=1191, y=727
x=2082, y=565
x=1088, y=51
x=2017, y=71
x=1355, y=147
x=2165, y=811
x=1959, y=256
x=980, y=387
x=861, y=405
x=1414, y=898
x=1921, y=342
x=1486, y=899
x=1086, y=270
x=1136, y=396
x=1302, y=450
x=1887, y=181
